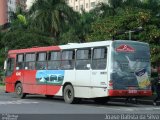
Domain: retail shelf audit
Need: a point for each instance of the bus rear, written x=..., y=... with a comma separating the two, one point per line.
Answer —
x=130, y=69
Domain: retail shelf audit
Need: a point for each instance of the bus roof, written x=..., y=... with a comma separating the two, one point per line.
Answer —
x=70, y=46
x=34, y=49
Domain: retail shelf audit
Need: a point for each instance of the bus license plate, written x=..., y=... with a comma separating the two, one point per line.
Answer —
x=132, y=91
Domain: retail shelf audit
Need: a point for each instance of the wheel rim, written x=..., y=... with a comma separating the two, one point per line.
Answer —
x=19, y=90
x=69, y=94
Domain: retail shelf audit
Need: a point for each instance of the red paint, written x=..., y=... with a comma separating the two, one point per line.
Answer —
x=125, y=48
x=37, y=49
x=28, y=77
x=124, y=93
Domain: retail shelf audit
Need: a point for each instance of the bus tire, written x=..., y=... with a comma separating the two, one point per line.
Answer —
x=19, y=91
x=102, y=100
x=68, y=94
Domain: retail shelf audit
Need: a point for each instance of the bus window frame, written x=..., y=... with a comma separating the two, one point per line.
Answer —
x=11, y=71
x=44, y=61
x=105, y=58
x=69, y=60
x=23, y=61
x=49, y=59
x=26, y=67
x=87, y=66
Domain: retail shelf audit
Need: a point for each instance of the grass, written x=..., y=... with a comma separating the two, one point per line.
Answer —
x=1, y=84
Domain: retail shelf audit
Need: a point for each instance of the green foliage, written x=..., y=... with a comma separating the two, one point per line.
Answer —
x=115, y=3
x=18, y=39
x=78, y=31
x=18, y=19
x=69, y=37
x=22, y=19
x=126, y=19
x=135, y=14
x=51, y=16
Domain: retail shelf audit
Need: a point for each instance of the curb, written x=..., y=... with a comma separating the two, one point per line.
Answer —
x=143, y=101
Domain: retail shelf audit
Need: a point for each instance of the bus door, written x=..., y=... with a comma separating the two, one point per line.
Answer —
x=99, y=71
x=30, y=82
x=9, y=74
x=83, y=66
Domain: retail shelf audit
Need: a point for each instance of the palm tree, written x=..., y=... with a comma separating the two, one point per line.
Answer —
x=51, y=16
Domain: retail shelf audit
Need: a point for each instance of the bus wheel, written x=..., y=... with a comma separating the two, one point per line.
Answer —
x=68, y=94
x=19, y=91
x=102, y=100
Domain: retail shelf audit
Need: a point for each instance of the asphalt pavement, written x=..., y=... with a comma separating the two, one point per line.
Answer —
x=38, y=107
x=140, y=100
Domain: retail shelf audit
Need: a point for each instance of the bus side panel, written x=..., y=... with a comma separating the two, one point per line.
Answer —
x=90, y=92
x=53, y=89
x=99, y=92
x=10, y=83
x=69, y=78
x=48, y=82
x=39, y=89
x=82, y=92
x=9, y=87
x=29, y=81
x=31, y=85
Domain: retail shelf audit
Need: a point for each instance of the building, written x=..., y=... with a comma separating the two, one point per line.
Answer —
x=22, y=4
x=86, y=5
x=8, y=6
x=3, y=12
x=13, y=4
x=29, y=3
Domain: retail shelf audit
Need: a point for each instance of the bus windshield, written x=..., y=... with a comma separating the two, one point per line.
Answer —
x=131, y=66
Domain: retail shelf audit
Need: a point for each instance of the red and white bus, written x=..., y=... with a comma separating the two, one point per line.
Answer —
x=98, y=70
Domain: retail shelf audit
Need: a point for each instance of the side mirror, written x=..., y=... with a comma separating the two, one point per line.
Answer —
x=5, y=64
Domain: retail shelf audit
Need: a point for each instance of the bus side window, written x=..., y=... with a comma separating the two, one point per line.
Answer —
x=20, y=61
x=54, y=60
x=68, y=59
x=41, y=63
x=99, y=58
x=30, y=61
x=83, y=59
x=10, y=66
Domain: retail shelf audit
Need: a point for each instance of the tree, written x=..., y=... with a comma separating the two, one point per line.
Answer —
x=78, y=31
x=51, y=16
x=128, y=19
x=19, y=39
x=101, y=10
x=115, y=3
x=153, y=5
x=18, y=19
x=132, y=3
x=2, y=49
